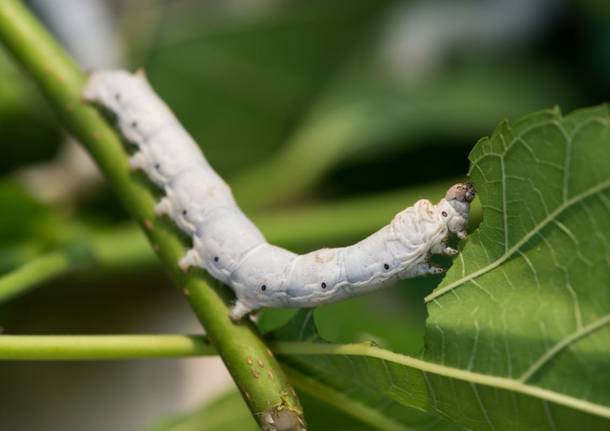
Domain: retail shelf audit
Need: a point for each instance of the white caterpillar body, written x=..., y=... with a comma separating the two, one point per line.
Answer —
x=231, y=248
x=160, y=169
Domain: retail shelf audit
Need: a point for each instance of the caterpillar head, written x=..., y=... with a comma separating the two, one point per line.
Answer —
x=454, y=208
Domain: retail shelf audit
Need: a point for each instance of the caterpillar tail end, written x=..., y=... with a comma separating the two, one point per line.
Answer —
x=191, y=258
x=90, y=92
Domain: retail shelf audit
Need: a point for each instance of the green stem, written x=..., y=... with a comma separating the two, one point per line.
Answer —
x=101, y=347
x=33, y=273
x=61, y=81
x=129, y=347
x=28, y=347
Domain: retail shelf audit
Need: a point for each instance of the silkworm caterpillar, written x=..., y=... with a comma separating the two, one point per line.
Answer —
x=231, y=248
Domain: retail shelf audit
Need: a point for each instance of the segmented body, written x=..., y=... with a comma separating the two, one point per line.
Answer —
x=231, y=248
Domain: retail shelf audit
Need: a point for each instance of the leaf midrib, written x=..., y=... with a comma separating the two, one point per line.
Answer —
x=515, y=248
x=365, y=350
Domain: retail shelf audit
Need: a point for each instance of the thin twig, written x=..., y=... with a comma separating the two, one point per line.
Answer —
x=33, y=273
x=102, y=347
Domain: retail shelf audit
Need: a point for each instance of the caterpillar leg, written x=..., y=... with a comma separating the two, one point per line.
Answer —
x=425, y=269
x=441, y=248
x=239, y=310
x=191, y=258
x=163, y=207
x=137, y=161
x=449, y=251
x=462, y=235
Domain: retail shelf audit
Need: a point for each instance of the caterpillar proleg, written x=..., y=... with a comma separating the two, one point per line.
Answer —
x=232, y=249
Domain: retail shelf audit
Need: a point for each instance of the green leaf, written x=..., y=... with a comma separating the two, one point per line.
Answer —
x=29, y=237
x=368, y=114
x=260, y=72
x=528, y=299
x=517, y=336
x=25, y=120
x=227, y=412
x=335, y=379
x=24, y=218
x=312, y=92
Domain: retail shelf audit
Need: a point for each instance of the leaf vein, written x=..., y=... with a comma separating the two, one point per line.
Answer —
x=563, y=344
x=575, y=199
x=364, y=350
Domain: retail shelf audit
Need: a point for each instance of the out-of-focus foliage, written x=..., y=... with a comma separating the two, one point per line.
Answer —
x=227, y=412
x=298, y=106
x=332, y=99
x=28, y=133
x=24, y=218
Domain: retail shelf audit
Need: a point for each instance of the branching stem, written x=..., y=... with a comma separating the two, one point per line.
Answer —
x=61, y=81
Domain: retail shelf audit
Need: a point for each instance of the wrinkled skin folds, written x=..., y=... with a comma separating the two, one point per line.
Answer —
x=232, y=249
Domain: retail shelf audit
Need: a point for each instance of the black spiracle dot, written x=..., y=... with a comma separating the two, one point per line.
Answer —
x=157, y=166
x=134, y=124
x=215, y=258
x=184, y=212
x=444, y=213
x=386, y=266
x=323, y=285
x=117, y=96
x=264, y=287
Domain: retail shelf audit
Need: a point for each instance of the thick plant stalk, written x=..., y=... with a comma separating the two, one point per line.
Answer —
x=268, y=395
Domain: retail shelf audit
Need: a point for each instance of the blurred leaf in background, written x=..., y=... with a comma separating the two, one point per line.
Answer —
x=302, y=107
x=259, y=73
x=28, y=131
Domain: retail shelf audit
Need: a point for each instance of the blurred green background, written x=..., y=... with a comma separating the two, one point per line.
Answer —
x=326, y=117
